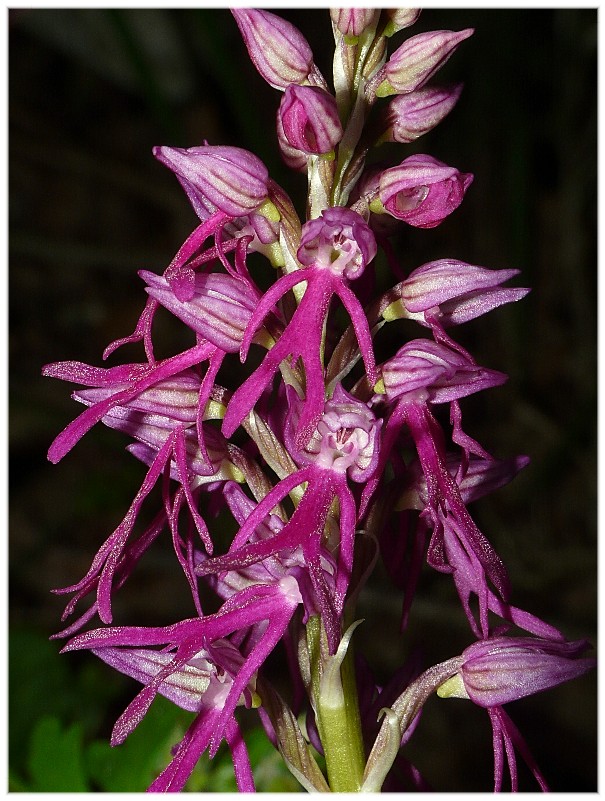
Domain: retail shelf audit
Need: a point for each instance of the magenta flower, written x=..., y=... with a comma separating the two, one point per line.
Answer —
x=201, y=685
x=199, y=670
x=403, y=542
x=273, y=567
x=334, y=249
x=125, y=383
x=422, y=191
x=230, y=192
x=344, y=444
x=169, y=446
x=451, y=552
x=220, y=309
x=222, y=184
x=499, y=670
x=422, y=373
x=280, y=524
x=506, y=739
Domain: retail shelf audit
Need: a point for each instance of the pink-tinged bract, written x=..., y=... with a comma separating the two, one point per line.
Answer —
x=233, y=180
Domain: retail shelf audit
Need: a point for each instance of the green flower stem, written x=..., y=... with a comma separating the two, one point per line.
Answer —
x=337, y=710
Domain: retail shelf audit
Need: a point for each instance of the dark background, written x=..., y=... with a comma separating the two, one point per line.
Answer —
x=90, y=93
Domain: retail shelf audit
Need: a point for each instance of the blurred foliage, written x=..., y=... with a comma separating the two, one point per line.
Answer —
x=90, y=92
x=59, y=717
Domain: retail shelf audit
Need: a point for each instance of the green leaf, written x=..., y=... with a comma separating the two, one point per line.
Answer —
x=44, y=683
x=133, y=765
x=34, y=690
x=55, y=758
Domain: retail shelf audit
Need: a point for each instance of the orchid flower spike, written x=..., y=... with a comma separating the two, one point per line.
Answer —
x=282, y=472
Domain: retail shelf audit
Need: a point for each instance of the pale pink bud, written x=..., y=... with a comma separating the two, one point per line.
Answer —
x=400, y=18
x=175, y=398
x=219, y=309
x=229, y=178
x=415, y=113
x=352, y=22
x=427, y=371
x=422, y=191
x=503, y=669
x=461, y=291
x=310, y=120
x=418, y=59
x=277, y=48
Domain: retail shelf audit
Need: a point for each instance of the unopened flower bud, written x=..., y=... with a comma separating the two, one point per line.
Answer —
x=502, y=669
x=309, y=118
x=422, y=191
x=277, y=48
x=230, y=178
x=339, y=240
x=175, y=398
x=418, y=59
x=352, y=22
x=461, y=292
x=219, y=310
x=399, y=18
x=411, y=115
x=424, y=370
